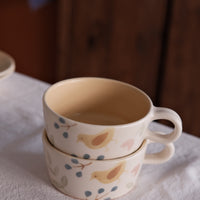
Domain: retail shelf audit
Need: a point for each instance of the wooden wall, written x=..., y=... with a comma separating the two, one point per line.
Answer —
x=30, y=37
x=153, y=45
x=116, y=39
x=181, y=83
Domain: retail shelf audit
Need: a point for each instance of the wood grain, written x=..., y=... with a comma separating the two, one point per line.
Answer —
x=181, y=82
x=90, y=39
x=64, y=34
x=116, y=39
x=136, y=42
x=30, y=37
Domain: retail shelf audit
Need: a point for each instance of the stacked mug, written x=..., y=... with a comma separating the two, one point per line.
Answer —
x=96, y=136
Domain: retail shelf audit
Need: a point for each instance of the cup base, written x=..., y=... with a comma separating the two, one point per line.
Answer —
x=85, y=179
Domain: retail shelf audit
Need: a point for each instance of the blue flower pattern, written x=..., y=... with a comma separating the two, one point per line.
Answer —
x=77, y=165
x=62, y=123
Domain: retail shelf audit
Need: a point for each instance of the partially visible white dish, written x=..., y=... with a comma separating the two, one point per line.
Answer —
x=7, y=65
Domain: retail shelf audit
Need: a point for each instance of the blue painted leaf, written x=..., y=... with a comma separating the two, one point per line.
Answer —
x=79, y=174
x=68, y=166
x=65, y=134
x=101, y=190
x=56, y=125
x=62, y=120
x=88, y=193
x=75, y=161
x=86, y=156
x=108, y=198
x=101, y=157
x=74, y=155
x=114, y=188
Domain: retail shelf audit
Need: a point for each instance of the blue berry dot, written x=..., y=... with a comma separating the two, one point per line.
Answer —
x=101, y=190
x=79, y=174
x=86, y=156
x=101, y=157
x=65, y=134
x=68, y=166
x=75, y=161
x=56, y=125
x=114, y=188
x=62, y=120
x=88, y=193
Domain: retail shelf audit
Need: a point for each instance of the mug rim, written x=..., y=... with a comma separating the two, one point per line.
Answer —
x=46, y=142
x=57, y=84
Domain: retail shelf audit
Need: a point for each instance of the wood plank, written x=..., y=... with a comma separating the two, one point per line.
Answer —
x=181, y=83
x=136, y=42
x=64, y=34
x=117, y=39
x=91, y=21
x=30, y=37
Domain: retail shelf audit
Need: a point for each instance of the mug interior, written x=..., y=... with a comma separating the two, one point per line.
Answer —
x=97, y=101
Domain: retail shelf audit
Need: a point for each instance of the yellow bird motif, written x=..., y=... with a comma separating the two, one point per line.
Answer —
x=97, y=141
x=110, y=175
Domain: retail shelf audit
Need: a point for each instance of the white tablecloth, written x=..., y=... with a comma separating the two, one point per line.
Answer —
x=23, y=173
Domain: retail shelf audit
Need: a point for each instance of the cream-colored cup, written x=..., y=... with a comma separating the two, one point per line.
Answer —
x=98, y=179
x=98, y=118
x=7, y=65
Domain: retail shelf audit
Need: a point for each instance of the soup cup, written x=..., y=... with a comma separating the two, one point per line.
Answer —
x=89, y=179
x=99, y=118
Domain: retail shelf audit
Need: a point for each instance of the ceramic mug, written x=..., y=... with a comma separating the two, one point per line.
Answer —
x=98, y=118
x=94, y=179
x=7, y=65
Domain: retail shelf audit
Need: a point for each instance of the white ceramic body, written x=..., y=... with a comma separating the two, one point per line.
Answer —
x=84, y=140
x=94, y=179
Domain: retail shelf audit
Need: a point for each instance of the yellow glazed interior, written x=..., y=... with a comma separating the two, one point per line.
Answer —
x=97, y=101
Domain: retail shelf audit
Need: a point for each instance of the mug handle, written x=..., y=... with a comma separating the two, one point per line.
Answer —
x=170, y=115
x=160, y=157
